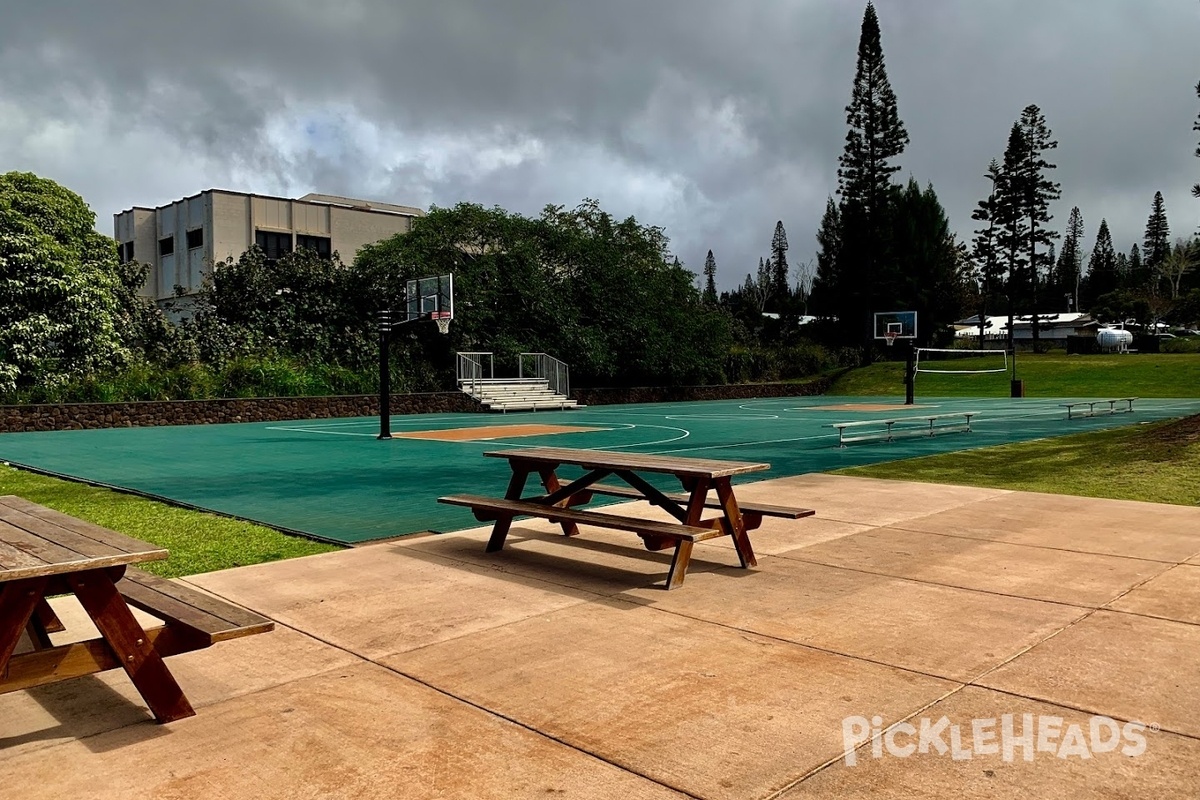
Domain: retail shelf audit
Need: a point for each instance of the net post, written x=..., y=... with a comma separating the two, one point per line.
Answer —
x=385, y=378
x=910, y=374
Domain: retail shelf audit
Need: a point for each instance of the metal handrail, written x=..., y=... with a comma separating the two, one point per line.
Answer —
x=556, y=373
x=469, y=369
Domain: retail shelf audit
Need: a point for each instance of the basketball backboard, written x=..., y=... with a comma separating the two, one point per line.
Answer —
x=896, y=324
x=430, y=298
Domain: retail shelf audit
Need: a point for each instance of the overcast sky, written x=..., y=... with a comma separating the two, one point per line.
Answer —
x=710, y=119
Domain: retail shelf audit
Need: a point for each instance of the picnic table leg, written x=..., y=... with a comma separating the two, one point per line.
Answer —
x=736, y=525
x=550, y=481
x=516, y=487
x=17, y=601
x=100, y=599
x=679, y=563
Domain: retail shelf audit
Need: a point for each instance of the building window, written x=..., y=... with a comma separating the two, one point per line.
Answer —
x=125, y=251
x=166, y=246
x=274, y=245
x=320, y=244
x=195, y=238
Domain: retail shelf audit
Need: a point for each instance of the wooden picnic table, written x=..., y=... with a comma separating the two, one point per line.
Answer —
x=697, y=476
x=45, y=553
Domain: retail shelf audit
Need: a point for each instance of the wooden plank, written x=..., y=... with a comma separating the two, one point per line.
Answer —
x=208, y=618
x=765, y=509
x=58, y=530
x=736, y=527
x=557, y=513
x=599, y=459
x=48, y=619
x=77, y=659
x=143, y=664
x=13, y=558
x=39, y=549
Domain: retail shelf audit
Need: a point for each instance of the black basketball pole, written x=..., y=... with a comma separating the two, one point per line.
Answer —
x=910, y=374
x=385, y=377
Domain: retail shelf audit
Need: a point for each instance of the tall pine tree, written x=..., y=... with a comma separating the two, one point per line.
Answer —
x=1036, y=190
x=983, y=250
x=827, y=283
x=1157, y=244
x=876, y=137
x=779, y=269
x=1102, y=267
x=710, y=280
x=1070, y=260
x=1012, y=227
x=1196, y=127
x=1136, y=276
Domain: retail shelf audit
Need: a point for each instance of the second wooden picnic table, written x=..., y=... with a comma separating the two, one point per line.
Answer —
x=696, y=476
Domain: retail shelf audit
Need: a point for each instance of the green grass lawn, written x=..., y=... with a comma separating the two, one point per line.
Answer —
x=1157, y=462
x=197, y=541
x=1049, y=375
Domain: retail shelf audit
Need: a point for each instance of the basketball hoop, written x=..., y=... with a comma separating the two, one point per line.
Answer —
x=890, y=337
x=442, y=318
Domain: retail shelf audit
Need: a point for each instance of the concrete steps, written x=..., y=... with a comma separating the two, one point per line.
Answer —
x=527, y=394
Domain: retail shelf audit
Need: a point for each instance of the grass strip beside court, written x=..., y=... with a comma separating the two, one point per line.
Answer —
x=197, y=541
x=1157, y=463
x=1045, y=375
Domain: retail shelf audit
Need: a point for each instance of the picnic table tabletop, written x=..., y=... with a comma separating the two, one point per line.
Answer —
x=602, y=459
x=39, y=542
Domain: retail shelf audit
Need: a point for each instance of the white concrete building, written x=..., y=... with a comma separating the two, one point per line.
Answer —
x=182, y=239
x=1051, y=327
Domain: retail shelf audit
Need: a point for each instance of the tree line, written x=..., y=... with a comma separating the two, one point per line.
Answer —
x=603, y=294
x=883, y=246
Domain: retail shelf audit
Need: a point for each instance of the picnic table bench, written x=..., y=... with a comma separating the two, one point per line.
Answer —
x=1091, y=404
x=935, y=422
x=697, y=476
x=45, y=553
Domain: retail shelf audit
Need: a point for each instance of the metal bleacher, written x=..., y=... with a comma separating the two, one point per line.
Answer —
x=546, y=386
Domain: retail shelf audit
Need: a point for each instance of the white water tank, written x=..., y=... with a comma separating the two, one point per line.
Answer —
x=1113, y=338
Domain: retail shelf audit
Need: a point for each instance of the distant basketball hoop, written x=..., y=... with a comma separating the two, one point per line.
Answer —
x=889, y=338
x=442, y=318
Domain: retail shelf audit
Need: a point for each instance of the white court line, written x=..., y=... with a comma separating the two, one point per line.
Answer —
x=318, y=430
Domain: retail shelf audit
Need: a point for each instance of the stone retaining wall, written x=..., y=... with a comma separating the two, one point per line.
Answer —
x=67, y=416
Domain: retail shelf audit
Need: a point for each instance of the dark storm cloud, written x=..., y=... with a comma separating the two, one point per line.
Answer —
x=712, y=119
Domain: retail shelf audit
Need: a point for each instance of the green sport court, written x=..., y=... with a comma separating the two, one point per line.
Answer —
x=332, y=479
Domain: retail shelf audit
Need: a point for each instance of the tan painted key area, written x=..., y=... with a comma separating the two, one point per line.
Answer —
x=558, y=667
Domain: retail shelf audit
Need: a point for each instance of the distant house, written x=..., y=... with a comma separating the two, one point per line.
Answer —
x=182, y=239
x=1051, y=327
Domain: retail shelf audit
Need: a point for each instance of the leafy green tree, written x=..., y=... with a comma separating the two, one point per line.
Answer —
x=1157, y=244
x=927, y=261
x=301, y=306
x=710, y=280
x=1180, y=262
x=1102, y=276
x=59, y=312
x=602, y=294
